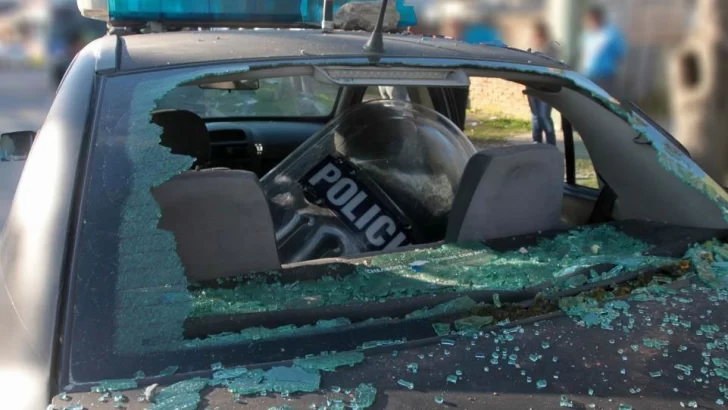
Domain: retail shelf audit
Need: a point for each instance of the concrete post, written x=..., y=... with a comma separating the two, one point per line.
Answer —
x=564, y=18
x=699, y=86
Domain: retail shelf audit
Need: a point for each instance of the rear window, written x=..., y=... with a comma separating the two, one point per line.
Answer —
x=136, y=307
x=299, y=96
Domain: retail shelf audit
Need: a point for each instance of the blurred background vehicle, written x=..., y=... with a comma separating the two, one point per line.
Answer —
x=68, y=33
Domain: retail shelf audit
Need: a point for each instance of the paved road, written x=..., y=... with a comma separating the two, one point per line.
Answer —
x=25, y=97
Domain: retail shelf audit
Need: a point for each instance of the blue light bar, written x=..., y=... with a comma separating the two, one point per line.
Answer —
x=313, y=11
x=234, y=11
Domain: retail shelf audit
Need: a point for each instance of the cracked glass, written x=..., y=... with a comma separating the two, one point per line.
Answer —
x=135, y=301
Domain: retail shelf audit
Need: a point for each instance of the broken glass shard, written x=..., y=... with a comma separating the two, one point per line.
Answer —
x=330, y=362
x=169, y=371
x=229, y=373
x=292, y=379
x=655, y=343
x=381, y=343
x=461, y=304
x=119, y=399
x=473, y=323
x=406, y=384
x=104, y=397
x=114, y=385
x=364, y=396
x=441, y=329
x=496, y=300
x=184, y=394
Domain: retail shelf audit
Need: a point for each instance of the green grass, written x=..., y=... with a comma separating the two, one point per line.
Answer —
x=482, y=128
x=585, y=174
x=495, y=129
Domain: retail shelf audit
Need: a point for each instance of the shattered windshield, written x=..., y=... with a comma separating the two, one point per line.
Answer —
x=300, y=96
x=136, y=312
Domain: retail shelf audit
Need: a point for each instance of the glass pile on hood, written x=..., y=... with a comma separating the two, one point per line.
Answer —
x=380, y=176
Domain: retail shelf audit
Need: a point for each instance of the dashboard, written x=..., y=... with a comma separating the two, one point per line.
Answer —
x=257, y=146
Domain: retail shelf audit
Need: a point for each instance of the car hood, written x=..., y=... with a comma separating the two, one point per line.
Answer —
x=663, y=348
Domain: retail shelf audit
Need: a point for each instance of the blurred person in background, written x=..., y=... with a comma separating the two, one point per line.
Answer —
x=541, y=121
x=462, y=22
x=69, y=32
x=400, y=92
x=603, y=49
x=483, y=31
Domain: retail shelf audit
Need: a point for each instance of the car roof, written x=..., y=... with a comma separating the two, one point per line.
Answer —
x=146, y=51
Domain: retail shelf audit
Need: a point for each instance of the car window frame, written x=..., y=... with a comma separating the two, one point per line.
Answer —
x=643, y=115
x=570, y=183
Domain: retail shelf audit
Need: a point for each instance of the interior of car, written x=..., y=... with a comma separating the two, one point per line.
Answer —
x=489, y=194
x=271, y=229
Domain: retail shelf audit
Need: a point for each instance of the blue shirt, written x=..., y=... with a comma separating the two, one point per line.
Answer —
x=482, y=34
x=602, y=52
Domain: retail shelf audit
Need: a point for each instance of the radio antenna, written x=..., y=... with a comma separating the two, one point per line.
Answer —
x=327, y=24
x=375, y=44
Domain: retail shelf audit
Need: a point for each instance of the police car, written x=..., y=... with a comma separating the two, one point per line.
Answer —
x=227, y=219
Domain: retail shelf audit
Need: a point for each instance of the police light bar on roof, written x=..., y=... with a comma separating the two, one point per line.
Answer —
x=229, y=12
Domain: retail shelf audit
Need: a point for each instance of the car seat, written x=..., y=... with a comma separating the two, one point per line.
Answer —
x=508, y=191
x=221, y=221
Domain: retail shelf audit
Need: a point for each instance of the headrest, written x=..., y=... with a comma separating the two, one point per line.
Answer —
x=184, y=132
x=508, y=191
x=373, y=131
x=221, y=221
